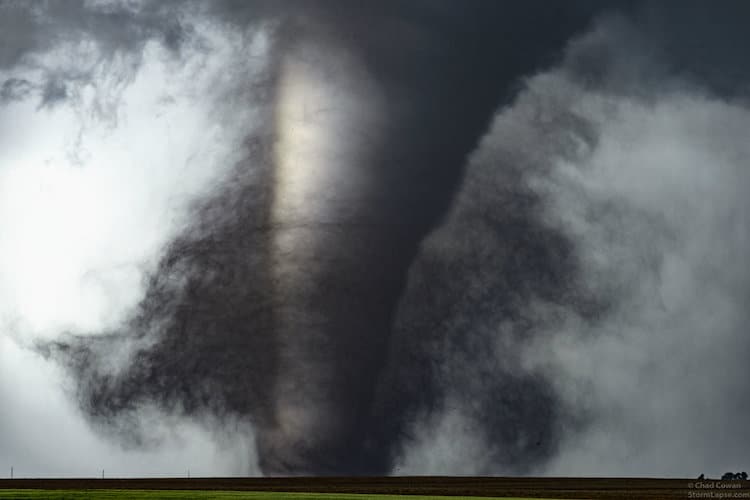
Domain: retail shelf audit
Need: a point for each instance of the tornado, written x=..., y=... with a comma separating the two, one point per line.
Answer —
x=277, y=302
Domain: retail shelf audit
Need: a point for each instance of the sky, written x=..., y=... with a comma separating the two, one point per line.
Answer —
x=404, y=237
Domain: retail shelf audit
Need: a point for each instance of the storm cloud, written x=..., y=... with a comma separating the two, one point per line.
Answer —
x=398, y=237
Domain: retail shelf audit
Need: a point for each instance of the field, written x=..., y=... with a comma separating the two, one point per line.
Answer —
x=375, y=488
x=382, y=488
x=32, y=494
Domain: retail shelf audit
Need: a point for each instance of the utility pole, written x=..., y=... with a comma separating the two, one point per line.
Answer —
x=11, y=472
x=102, y=473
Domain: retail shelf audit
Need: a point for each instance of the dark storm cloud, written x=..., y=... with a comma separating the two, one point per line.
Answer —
x=410, y=310
x=14, y=89
x=700, y=41
x=695, y=42
x=31, y=30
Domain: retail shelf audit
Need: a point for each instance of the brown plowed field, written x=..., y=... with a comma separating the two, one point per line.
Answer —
x=582, y=488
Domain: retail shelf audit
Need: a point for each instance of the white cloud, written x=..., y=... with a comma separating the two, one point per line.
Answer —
x=445, y=443
x=658, y=210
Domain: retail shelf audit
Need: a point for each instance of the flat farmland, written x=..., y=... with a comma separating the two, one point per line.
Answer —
x=323, y=487
x=32, y=494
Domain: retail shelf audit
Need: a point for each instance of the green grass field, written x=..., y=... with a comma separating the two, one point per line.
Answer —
x=206, y=495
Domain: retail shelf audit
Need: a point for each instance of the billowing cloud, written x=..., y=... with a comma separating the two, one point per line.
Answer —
x=591, y=276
